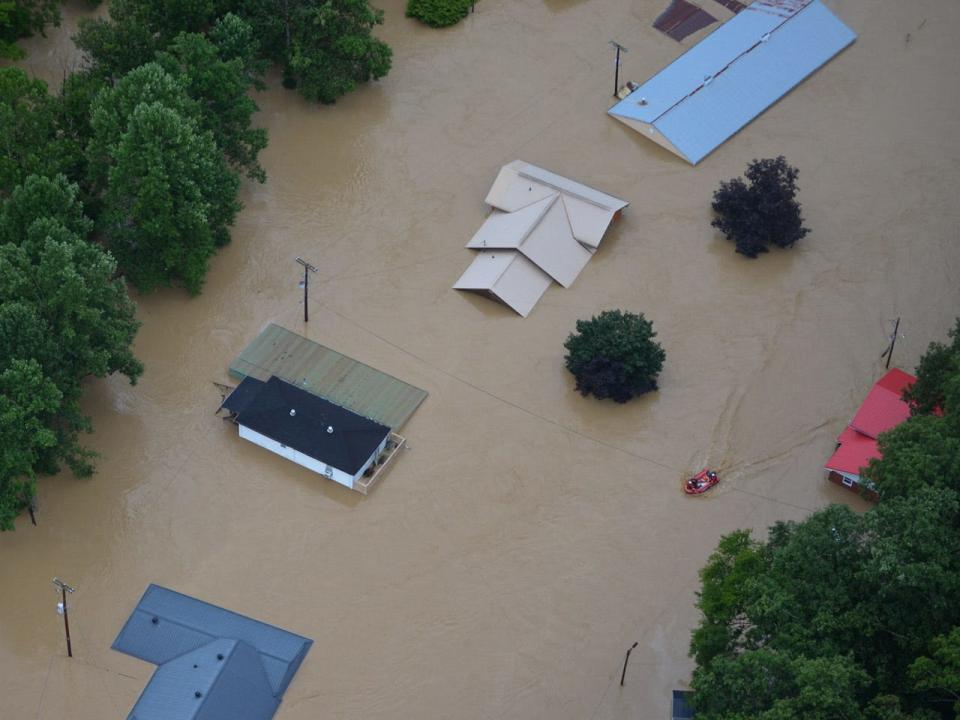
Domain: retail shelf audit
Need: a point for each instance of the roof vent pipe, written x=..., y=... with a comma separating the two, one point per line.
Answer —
x=293, y=412
x=330, y=429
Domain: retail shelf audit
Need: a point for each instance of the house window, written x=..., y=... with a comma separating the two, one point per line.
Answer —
x=328, y=472
x=847, y=482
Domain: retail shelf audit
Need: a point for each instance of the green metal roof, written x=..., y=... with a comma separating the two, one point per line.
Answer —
x=335, y=377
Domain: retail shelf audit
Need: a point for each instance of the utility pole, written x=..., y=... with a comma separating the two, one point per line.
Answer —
x=893, y=341
x=625, y=661
x=616, y=68
x=307, y=269
x=64, y=589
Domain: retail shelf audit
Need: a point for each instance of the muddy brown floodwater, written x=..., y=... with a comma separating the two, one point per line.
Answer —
x=529, y=536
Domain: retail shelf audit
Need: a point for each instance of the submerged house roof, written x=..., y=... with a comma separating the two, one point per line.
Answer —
x=882, y=410
x=342, y=380
x=723, y=82
x=213, y=664
x=543, y=228
x=307, y=423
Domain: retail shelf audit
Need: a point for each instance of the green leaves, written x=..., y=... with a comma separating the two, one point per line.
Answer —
x=63, y=317
x=438, y=13
x=613, y=355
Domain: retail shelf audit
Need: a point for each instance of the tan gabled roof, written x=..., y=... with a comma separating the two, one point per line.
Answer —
x=542, y=226
x=508, y=276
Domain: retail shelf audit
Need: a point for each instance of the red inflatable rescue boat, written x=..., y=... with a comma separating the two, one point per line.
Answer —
x=701, y=482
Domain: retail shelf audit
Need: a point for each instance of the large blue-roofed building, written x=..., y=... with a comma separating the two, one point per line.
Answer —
x=213, y=664
x=719, y=85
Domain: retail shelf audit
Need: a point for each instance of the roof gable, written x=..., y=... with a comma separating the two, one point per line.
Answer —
x=883, y=408
x=313, y=426
x=726, y=80
x=235, y=666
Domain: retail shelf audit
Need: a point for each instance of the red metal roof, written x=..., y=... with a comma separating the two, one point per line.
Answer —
x=883, y=408
x=855, y=452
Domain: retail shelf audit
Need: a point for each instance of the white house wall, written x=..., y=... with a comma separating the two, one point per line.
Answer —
x=306, y=461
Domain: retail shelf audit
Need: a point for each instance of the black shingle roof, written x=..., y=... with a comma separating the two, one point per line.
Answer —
x=317, y=427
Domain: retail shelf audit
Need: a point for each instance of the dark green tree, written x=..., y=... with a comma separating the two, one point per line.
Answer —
x=332, y=48
x=28, y=403
x=824, y=619
x=219, y=89
x=763, y=212
x=63, y=317
x=939, y=673
x=613, y=355
x=438, y=13
x=23, y=18
x=170, y=199
x=938, y=367
x=31, y=139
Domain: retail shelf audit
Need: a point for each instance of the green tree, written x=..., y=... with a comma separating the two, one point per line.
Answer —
x=826, y=616
x=613, y=355
x=23, y=18
x=31, y=139
x=115, y=46
x=170, y=199
x=940, y=674
x=63, y=317
x=762, y=213
x=938, y=366
x=438, y=13
x=219, y=89
x=28, y=403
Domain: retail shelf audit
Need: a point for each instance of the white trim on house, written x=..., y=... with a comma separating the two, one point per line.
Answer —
x=321, y=468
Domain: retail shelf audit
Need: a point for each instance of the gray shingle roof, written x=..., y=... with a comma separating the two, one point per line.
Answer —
x=213, y=663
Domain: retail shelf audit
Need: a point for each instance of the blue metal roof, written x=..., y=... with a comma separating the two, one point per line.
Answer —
x=735, y=73
x=681, y=706
x=239, y=666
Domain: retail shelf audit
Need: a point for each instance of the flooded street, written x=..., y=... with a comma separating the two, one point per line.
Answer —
x=528, y=536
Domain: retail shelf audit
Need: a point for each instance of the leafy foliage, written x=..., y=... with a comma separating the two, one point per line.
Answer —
x=31, y=139
x=938, y=367
x=827, y=615
x=924, y=451
x=326, y=47
x=331, y=48
x=763, y=212
x=438, y=13
x=940, y=674
x=613, y=355
x=169, y=201
x=23, y=18
x=63, y=317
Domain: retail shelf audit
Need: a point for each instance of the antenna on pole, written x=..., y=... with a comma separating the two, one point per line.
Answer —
x=62, y=609
x=616, y=67
x=307, y=269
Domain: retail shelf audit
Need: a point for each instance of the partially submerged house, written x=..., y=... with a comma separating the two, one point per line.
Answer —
x=731, y=76
x=543, y=228
x=212, y=664
x=300, y=426
x=346, y=415
x=882, y=410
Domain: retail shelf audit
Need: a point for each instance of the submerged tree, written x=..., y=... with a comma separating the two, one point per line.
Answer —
x=23, y=18
x=438, y=13
x=64, y=316
x=763, y=212
x=614, y=355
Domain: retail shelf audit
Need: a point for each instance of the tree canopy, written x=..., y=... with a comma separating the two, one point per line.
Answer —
x=763, y=212
x=924, y=451
x=64, y=316
x=613, y=355
x=23, y=18
x=325, y=47
x=438, y=13
x=824, y=619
